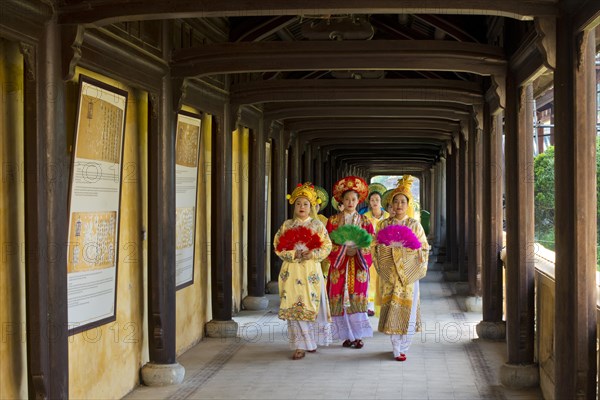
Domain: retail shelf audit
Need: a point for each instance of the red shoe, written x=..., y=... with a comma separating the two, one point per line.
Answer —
x=347, y=343
x=401, y=357
x=359, y=344
x=370, y=313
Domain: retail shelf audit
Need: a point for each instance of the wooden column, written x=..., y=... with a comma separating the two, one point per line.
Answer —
x=520, y=370
x=436, y=205
x=307, y=175
x=328, y=182
x=492, y=326
x=575, y=172
x=442, y=215
x=295, y=164
x=46, y=193
x=162, y=368
x=423, y=189
x=453, y=214
x=257, y=223
x=318, y=172
x=431, y=203
x=463, y=209
x=221, y=229
x=475, y=240
x=278, y=205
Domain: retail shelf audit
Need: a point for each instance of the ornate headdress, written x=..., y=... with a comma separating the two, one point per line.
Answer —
x=323, y=196
x=306, y=190
x=351, y=183
x=377, y=187
x=404, y=187
x=385, y=198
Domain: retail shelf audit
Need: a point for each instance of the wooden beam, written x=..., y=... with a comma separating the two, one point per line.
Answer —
x=124, y=58
x=370, y=134
x=101, y=12
x=258, y=29
x=283, y=111
x=384, y=124
x=426, y=55
x=587, y=16
x=399, y=32
x=447, y=27
x=23, y=20
x=429, y=90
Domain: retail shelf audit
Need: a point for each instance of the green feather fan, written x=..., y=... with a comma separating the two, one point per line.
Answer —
x=351, y=235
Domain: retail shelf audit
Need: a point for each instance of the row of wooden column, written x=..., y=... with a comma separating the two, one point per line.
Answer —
x=467, y=238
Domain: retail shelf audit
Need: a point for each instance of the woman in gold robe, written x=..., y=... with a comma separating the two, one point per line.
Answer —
x=302, y=291
x=400, y=270
x=375, y=214
x=324, y=197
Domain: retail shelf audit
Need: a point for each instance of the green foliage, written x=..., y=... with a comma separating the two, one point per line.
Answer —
x=544, y=198
x=543, y=167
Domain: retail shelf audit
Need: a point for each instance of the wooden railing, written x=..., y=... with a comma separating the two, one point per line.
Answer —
x=544, y=302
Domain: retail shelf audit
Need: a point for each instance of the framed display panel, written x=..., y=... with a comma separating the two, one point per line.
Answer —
x=94, y=205
x=187, y=152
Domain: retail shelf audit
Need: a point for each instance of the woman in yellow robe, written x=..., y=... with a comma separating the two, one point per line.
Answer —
x=324, y=197
x=302, y=291
x=400, y=270
x=375, y=214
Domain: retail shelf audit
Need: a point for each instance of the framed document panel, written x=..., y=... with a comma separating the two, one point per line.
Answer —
x=187, y=151
x=94, y=205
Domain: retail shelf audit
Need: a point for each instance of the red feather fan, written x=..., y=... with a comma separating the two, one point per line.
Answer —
x=299, y=238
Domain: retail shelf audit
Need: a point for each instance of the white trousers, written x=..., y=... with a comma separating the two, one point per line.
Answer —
x=401, y=343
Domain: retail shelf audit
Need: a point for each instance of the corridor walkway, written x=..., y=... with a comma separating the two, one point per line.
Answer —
x=446, y=361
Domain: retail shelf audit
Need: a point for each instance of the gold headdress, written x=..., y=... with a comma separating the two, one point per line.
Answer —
x=306, y=190
x=404, y=186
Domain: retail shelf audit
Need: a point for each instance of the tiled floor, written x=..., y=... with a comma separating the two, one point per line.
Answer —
x=446, y=361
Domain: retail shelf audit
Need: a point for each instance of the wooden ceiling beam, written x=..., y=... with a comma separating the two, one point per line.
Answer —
x=448, y=28
x=357, y=90
x=102, y=12
x=397, y=32
x=283, y=111
x=426, y=55
x=258, y=29
x=388, y=123
x=367, y=135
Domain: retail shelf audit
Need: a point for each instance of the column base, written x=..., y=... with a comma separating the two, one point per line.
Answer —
x=221, y=329
x=254, y=303
x=520, y=376
x=491, y=330
x=474, y=304
x=162, y=374
x=452, y=276
x=273, y=287
x=460, y=288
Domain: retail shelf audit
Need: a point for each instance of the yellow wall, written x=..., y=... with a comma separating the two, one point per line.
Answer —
x=192, y=301
x=239, y=215
x=104, y=362
x=13, y=367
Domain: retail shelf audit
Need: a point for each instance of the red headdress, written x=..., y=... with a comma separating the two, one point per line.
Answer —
x=350, y=183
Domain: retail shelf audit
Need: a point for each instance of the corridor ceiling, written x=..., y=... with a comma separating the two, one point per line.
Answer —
x=386, y=88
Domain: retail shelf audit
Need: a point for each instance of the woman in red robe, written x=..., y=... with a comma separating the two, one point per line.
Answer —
x=348, y=280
